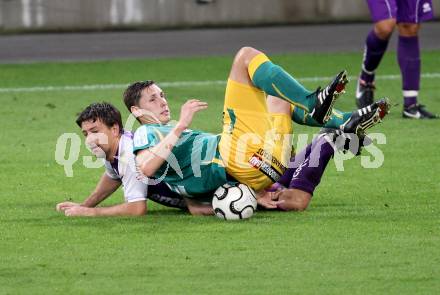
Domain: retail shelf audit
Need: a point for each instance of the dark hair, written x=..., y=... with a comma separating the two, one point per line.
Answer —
x=103, y=111
x=133, y=93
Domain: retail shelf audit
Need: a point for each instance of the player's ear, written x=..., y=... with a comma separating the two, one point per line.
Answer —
x=136, y=111
x=115, y=130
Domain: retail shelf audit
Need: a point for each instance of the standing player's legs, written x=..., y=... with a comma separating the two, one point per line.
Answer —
x=408, y=56
x=409, y=15
x=252, y=67
x=383, y=13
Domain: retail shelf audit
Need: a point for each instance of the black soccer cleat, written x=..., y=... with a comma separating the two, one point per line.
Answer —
x=326, y=98
x=418, y=111
x=364, y=93
x=345, y=142
x=367, y=117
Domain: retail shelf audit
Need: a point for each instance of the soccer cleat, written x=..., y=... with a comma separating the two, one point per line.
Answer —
x=326, y=98
x=364, y=93
x=417, y=111
x=367, y=117
x=346, y=141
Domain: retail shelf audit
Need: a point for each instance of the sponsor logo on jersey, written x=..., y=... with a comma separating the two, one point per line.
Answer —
x=265, y=167
x=268, y=157
x=426, y=7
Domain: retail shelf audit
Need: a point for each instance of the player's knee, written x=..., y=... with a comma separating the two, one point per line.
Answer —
x=245, y=55
x=239, y=70
x=408, y=30
x=384, y=29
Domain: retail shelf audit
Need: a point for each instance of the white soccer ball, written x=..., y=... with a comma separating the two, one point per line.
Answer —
x=232, y=202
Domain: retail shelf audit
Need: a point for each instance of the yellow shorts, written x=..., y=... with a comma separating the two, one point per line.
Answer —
x=255, y=145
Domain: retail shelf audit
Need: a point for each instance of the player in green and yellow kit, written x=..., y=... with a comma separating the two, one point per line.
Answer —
x=254, y=147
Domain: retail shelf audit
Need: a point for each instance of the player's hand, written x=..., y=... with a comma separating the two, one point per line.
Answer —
x=268, y=200
x=188, y=110
x=65, y=205
x=79, y=211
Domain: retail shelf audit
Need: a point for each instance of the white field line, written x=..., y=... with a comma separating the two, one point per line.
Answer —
x=180, y=84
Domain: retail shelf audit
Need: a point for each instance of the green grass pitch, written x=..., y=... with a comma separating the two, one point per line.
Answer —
x=367, y=231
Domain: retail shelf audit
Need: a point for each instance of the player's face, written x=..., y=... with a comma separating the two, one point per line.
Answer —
x=100, y=138
x=153, y=106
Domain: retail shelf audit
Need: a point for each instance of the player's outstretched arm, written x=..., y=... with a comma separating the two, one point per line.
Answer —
x=105, y=187
x=150, y=160
x=138, y=208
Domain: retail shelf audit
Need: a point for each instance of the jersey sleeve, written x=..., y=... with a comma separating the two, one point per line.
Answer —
x=144, y=138
x=110, y=172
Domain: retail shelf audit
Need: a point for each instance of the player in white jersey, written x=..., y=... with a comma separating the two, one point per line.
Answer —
x=102, y=125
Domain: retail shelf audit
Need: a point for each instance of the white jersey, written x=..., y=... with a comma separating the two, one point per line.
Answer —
x=123, y=168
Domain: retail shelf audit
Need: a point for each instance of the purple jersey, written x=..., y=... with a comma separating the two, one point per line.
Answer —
x=404, y=11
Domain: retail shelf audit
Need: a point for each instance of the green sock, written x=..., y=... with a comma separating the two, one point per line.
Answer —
x=273, y=80
x=336, y=120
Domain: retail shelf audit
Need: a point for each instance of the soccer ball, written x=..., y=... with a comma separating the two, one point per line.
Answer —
x=232, y=202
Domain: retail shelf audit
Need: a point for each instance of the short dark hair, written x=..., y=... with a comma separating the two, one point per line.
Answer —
x=133, y=93
x=103, y=111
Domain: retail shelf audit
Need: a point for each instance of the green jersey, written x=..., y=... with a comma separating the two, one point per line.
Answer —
x=194, y=167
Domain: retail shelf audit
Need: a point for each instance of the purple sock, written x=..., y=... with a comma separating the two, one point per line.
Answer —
x=408, y=55
x=308, y=174
x=374, y=51
x=409, y=101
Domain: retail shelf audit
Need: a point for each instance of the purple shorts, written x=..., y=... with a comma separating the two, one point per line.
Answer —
x=162, y=194
x=404, y=11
